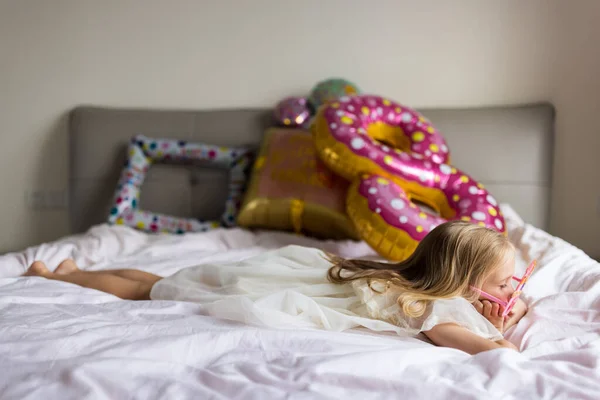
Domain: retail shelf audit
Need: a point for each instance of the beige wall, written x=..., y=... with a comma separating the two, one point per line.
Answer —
x=576, y=94
x=57, y=54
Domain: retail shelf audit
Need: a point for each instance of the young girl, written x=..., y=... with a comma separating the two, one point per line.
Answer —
x=298, y=287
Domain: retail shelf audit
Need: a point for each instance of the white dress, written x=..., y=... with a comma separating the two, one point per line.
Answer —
x=288, y=288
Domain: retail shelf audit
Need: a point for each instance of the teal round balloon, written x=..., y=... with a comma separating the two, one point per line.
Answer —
x=331, y=90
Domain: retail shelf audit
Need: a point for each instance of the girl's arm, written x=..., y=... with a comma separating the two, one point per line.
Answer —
x=457, y=337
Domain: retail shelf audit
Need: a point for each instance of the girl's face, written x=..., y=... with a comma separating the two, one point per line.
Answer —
x=499, y=283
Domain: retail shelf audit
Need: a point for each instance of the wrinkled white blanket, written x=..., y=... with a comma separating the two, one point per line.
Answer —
x=61, y=341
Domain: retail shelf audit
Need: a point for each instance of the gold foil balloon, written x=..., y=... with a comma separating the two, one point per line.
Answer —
x=291, y=189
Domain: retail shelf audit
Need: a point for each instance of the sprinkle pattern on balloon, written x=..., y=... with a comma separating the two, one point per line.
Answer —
x=292, y=112
x=350, y=117
x=144, y=151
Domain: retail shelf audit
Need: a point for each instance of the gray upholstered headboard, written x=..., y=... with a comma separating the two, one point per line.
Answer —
x=509, y=149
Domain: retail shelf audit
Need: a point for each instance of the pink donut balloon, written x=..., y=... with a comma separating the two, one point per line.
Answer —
x=394, y=157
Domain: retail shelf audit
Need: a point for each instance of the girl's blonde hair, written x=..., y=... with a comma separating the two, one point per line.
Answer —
x=452, y=257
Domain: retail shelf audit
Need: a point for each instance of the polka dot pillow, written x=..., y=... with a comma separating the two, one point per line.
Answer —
x=144, y=151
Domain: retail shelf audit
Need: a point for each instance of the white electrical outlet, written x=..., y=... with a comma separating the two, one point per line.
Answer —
x=47, y=199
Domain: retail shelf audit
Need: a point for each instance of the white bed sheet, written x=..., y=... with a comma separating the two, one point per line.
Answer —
x=60, y=341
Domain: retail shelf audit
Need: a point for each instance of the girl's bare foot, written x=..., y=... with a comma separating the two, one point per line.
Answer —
x=38, y=268
x=66, y=267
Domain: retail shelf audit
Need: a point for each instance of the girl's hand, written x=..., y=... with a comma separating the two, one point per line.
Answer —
x=492, y=312
x=515, y=315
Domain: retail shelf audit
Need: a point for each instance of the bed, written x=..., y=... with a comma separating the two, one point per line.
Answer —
x=61, y=341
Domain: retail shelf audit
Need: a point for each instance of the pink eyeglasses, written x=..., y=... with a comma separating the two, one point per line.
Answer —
x=508, y=305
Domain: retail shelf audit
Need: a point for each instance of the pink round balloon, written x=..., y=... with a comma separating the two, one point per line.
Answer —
x=292, y=112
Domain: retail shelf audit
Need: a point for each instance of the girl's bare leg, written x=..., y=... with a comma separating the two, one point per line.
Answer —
x=68, y=267
x=105, y=281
